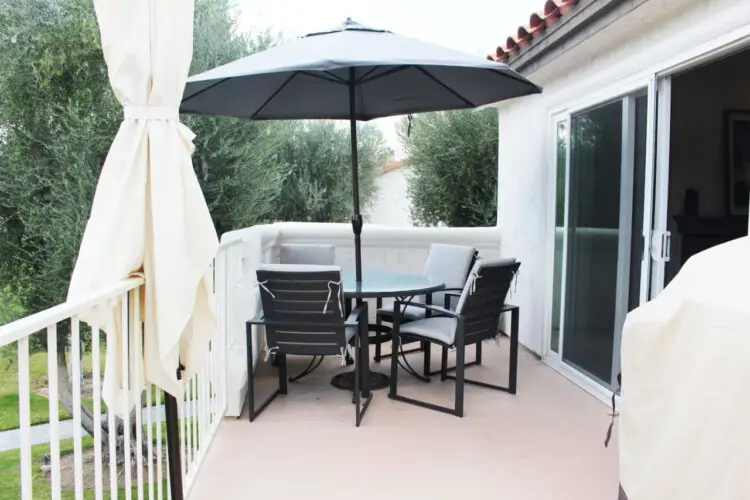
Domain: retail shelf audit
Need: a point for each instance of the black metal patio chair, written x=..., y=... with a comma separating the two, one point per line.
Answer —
x=303, y=314
x=474, y=320
x=451, y=264
x=307, y=254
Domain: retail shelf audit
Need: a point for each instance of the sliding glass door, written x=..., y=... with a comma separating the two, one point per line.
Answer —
x=601, y=186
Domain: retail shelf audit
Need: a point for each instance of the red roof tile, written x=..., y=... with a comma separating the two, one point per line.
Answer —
x=538, y=23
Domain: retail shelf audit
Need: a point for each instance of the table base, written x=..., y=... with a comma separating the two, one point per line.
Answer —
x=345, y=381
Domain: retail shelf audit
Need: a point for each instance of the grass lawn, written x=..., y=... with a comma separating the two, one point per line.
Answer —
x=10, y=478
x=39, y=404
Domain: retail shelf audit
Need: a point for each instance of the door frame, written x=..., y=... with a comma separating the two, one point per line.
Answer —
x=547, y=352
x=625, y=230
x=660, y=237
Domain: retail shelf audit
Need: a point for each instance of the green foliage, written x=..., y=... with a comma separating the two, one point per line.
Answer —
x=317, y=181
x=233, y=158
x=10, y=307
x=453, y=174
x=58, y=116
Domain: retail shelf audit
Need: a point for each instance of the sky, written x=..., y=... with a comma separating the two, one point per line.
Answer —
x=472, y=26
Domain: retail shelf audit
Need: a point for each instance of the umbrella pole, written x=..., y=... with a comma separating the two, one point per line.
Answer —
x=357, y=217
x=173, y=444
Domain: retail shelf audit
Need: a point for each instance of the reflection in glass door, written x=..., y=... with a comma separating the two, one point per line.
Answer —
x=598, y=246
x=592, y=233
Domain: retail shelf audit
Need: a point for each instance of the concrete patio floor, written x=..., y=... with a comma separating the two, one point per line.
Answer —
x=546, y=442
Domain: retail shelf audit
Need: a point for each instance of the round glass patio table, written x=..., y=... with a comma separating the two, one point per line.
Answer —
x=381, y=285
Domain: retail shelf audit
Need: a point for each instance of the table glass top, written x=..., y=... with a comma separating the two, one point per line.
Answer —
x=384, y=284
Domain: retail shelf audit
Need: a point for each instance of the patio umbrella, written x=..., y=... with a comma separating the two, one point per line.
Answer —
x=351, y=73
x=149, y=216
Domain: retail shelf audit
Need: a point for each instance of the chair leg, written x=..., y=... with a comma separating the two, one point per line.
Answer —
x=460, y=368
x=378, y=334
x=427, y=358
x=512, y=368
x=250, y=397
x=394, y=364
x=283, y=380
x=444, y=365
x=357, y=389
x=513, y=375
x=478, y=357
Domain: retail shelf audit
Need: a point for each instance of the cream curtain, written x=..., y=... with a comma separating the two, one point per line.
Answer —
x=149, y=216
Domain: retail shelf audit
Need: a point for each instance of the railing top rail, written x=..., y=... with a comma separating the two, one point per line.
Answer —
x=12, y=332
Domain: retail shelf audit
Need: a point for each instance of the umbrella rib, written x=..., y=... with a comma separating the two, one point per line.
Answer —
x=446, y=87
x=333, y=79
x=389, y=72
x=368, y=73
x=217, y=82
x=337, y=78
x=272, y=96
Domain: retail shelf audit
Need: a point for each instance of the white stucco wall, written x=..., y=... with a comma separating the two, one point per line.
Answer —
x=640, y=43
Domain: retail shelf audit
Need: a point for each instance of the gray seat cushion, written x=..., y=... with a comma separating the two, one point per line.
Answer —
x=440, y=329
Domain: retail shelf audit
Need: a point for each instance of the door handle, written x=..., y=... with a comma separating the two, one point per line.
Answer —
x=661, y=245
x=666, y=247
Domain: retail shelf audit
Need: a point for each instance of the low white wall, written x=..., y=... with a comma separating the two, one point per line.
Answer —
x=383, y=248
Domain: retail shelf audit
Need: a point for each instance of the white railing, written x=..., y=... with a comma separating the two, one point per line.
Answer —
x=395, y=249
x=49, y=452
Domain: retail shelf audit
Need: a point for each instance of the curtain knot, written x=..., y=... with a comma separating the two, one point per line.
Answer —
x=151, y=113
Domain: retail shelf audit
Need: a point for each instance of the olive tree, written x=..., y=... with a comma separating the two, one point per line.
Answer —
x=452, y=178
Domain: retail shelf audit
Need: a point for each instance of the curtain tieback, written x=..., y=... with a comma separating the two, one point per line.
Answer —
x=151, y=113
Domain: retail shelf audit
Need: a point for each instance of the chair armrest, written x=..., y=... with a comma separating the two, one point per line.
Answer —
x=508, y=308
x=451, y=293
x=440, y=310
x=356, y=316
x=257, y=320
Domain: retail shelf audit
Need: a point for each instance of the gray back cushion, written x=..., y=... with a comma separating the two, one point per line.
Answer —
x=451, y=265
x=317, y=255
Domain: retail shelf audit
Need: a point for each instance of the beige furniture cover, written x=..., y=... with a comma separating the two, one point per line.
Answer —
x=685, y=410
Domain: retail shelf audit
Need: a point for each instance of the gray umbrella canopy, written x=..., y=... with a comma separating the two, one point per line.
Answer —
x=310, y=78
x=351, y=73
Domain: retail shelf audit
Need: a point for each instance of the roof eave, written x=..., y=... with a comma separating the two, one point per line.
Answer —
x=578, y=24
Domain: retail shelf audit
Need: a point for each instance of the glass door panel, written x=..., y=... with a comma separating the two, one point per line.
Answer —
x=592, y=235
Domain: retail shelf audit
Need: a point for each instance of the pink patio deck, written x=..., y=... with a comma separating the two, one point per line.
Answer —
x=546, y=442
